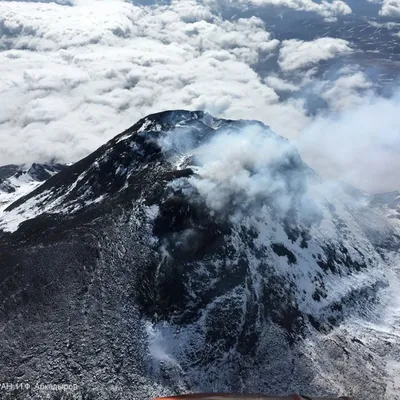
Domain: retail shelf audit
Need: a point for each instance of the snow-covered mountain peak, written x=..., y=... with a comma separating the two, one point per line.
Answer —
x=170, y=144
x=208, y=245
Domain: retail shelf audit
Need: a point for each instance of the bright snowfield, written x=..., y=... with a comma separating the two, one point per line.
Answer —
x=20, y=184
x=23, y=186
x=326, y=252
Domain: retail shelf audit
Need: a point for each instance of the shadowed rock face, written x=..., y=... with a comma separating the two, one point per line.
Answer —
x=8, y=170
x=123, y=280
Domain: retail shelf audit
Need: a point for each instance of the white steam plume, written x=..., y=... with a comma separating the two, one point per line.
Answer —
x=239, y=167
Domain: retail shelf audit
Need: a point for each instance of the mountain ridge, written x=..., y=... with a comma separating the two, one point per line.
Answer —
x=191, y=253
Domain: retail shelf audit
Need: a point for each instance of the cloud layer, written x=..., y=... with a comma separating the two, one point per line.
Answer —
x=359, y=144
x=390, y=8
x=327, y=9
x=76, y=73
x=74, y=77
x=295, y=54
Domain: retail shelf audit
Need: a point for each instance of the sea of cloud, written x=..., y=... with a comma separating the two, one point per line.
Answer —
x=75, y=73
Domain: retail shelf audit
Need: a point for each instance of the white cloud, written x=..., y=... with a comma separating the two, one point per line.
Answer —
x=296, y=54
x=344, y=93
x=324, y=8
x=280, y=84
x=76, y=76
x=359, y=144
x=327, y=9
x=390, y=8
x=387, y=25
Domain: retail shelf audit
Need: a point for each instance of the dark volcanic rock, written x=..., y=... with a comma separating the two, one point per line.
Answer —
x=123, y=280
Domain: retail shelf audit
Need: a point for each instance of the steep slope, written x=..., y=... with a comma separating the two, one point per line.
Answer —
x=191, y=253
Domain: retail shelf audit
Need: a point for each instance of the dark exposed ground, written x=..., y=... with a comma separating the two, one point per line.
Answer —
x=80, y=290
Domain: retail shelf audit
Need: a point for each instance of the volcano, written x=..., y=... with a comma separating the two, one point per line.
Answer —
x=195, y=254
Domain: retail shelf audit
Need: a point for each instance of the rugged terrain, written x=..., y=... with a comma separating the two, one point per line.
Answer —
x=16, y=180
x=195, y=254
